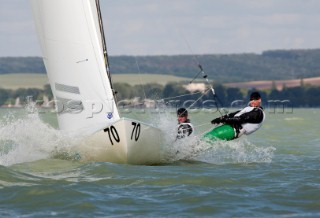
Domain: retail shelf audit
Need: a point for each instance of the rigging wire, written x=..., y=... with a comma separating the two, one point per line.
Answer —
x=179, y=96
x=205, y=76
x=215, y=97
x=198, y=99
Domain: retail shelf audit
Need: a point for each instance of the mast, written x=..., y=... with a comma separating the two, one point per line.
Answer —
x=104, y=45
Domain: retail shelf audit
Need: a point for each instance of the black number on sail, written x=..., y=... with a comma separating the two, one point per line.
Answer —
x=136, y=131
x=112, y=131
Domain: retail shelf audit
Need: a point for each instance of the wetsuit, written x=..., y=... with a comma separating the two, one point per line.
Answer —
x=184, y=129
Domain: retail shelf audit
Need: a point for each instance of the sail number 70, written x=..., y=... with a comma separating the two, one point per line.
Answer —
x=113, y=133
x=136, y=130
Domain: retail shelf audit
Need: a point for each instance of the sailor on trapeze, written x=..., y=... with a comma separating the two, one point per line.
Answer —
x=245, y=121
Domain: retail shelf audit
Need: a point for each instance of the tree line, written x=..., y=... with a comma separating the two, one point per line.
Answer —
x=270, y=65
x=8, y=96
x=303, y=96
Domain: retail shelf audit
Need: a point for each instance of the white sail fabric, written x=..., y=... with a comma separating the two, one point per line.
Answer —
x=73, y=56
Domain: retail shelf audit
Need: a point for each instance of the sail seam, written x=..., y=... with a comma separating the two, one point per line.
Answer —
x=67, y=88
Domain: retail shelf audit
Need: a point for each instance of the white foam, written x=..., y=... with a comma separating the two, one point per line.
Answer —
x=218, y=152
x=28, y=138
x=237, y=151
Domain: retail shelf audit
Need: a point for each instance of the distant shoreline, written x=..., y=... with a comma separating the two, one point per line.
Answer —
x=278, y=84
x=32, y=80
x=224, y=68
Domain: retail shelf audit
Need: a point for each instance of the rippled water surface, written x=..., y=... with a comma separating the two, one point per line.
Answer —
x=274, y=172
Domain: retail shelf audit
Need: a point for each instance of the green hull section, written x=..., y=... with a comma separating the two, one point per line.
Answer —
x=224, y=132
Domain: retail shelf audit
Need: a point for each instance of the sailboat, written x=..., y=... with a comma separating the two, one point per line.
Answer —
x=75, y=56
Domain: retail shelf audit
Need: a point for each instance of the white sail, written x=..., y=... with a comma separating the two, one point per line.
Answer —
x=72, y=41
x=73, y=55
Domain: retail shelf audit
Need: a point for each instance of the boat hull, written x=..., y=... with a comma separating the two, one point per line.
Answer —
x=223, y=132
x=126, y=141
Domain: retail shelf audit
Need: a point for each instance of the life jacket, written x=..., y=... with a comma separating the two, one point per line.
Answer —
x=248, y=128
x=184, y=129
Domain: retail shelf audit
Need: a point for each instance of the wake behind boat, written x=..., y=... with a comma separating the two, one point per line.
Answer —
x=75, y=56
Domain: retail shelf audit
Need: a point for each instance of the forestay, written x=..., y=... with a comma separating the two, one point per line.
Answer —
x=73, y=55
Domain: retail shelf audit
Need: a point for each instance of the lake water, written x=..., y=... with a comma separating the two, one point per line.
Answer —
x=272, y=173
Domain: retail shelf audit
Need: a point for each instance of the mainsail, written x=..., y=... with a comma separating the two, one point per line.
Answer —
x=74, y=54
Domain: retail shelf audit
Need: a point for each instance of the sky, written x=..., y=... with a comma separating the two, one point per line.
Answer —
x=168, y=27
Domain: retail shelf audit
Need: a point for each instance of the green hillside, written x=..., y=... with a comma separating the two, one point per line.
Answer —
x=23, y=80
x=28, y=80
x=270, y=65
